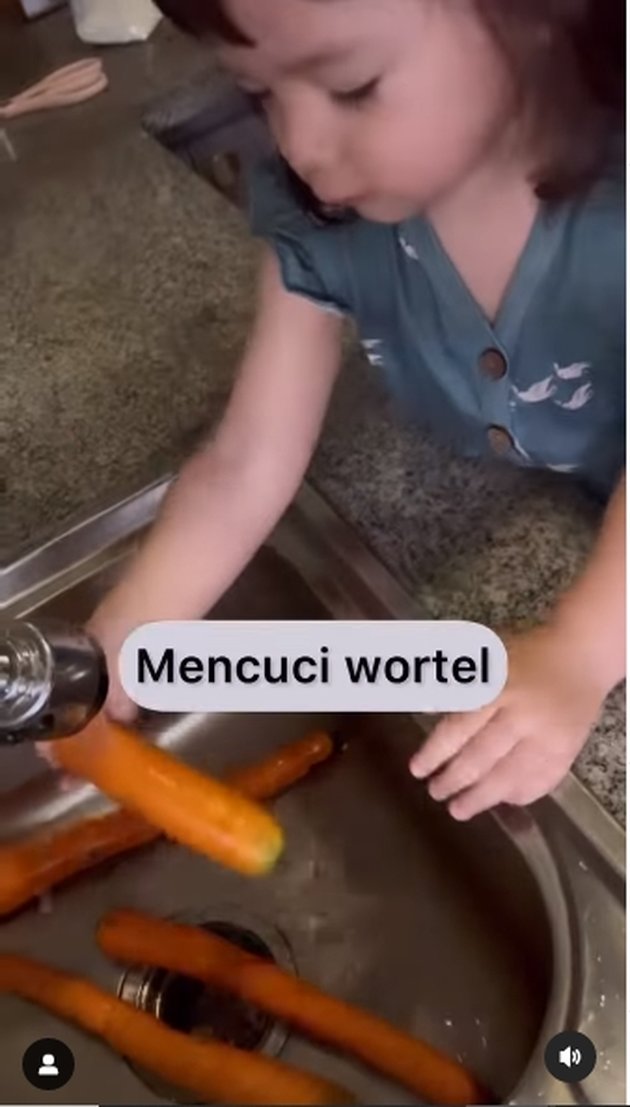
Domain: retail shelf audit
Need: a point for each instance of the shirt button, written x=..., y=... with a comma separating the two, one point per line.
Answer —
x=493, y=364
x=500, y=440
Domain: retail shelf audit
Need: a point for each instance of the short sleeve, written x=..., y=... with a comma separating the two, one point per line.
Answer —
x=312, y=257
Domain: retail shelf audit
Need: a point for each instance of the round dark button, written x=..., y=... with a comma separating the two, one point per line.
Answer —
x=493, y=364
x=48, y=1064
x=500, y=440
x=570, y=1057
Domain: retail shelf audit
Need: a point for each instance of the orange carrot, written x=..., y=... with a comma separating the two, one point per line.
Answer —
x=30, y=867
x=33, y=866
x=191, y=808
x=209, y=1070
x=131, y=937
x=284, y=767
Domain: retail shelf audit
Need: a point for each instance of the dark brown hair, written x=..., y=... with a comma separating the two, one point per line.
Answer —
x=568, y=57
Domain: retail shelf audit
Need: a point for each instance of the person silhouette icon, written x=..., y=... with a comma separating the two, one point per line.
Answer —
x=48, y=1066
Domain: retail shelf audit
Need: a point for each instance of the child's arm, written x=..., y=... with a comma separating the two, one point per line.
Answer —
x=593, y=611
x=232, y=492
x=522, y=746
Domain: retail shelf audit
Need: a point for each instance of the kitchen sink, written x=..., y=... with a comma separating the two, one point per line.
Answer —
x=485, y=939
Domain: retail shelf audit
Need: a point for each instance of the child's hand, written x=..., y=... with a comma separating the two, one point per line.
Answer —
x=111, y=629
x=523, y=745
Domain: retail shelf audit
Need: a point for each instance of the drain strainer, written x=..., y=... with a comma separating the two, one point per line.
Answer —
x=202, y=1011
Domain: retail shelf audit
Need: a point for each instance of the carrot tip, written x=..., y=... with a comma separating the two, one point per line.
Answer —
x=272, y=853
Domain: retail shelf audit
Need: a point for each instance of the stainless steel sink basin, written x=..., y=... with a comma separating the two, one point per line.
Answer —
x=485, y=939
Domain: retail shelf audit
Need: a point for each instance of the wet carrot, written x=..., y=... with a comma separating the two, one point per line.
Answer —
x=131, y=937
x=191, y=808
x=284, y=767
x=212, y=1071
x=30, y=867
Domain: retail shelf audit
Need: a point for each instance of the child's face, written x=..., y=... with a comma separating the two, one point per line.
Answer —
x=381, y=105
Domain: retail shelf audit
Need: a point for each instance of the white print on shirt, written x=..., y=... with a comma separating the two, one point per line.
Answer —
x=372, y=347
x=410, y=250
x=554, y=388
x=554, y=468
x=542, y=390
x=571, y=372
x=537, y=393
x=579, y=399
x=520, y=451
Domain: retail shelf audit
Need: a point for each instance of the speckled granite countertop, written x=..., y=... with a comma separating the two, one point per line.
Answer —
x=126, y=288
x=126, y=296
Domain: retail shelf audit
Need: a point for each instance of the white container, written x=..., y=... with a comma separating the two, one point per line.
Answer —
x=105, y=22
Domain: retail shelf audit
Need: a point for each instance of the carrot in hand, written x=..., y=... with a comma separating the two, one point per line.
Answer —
x=131, y=937
x=186, y=805
x=30, y=867
x=211, y=1071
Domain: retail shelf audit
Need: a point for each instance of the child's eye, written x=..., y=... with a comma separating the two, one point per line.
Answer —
x=357, y=95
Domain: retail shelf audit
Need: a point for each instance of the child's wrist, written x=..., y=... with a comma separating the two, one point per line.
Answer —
x=590, y=644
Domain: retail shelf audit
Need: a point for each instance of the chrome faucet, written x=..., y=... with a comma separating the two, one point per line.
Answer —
x=53, y=680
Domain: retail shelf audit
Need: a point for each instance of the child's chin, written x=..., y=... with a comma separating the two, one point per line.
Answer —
x=386, y=209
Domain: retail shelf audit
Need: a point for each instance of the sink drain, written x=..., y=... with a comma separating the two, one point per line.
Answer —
x=205, y=1012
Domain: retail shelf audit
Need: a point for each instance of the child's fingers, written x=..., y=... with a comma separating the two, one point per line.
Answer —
x=492, y=790
x=120, y=708
x=447, y=739
x=111, y=634
x=478, y=757
x=46, y=750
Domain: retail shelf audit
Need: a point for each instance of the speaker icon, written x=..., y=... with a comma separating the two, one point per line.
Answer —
x=570, y=1057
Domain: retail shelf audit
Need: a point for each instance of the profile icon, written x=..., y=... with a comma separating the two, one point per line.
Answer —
x=48, y=1064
